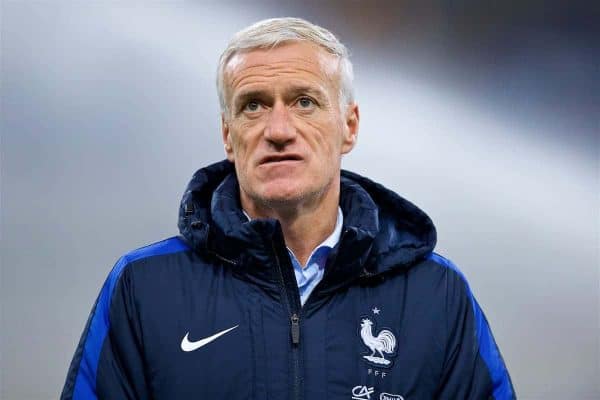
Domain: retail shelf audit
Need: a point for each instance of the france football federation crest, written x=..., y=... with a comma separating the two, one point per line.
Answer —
x=381, y=343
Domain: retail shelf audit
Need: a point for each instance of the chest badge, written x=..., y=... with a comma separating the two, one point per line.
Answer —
x=380, y=344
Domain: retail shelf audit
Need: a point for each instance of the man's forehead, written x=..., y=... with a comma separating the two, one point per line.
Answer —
x=297, y=54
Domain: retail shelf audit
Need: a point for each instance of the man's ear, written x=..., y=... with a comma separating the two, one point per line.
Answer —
x=226, y=138
x=350, y=128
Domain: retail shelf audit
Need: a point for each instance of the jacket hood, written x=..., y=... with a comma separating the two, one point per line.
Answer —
x=381, y=230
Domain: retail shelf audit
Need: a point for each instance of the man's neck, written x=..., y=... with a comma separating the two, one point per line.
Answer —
x=305, y=225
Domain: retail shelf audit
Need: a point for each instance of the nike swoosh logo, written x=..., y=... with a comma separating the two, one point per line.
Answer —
x=186, y=345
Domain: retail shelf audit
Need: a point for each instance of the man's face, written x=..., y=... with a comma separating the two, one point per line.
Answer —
x=284, y=130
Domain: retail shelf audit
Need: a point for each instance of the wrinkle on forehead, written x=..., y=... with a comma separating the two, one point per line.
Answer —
x=271, y=70
x=318, y=63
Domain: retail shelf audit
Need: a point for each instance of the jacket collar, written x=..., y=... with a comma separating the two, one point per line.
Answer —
x=381, y=230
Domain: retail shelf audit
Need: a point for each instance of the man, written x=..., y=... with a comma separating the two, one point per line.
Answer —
x=291, y=279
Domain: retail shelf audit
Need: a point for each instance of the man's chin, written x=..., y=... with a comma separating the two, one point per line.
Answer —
x=277, y=197
x=282, y=200
x=282, y=194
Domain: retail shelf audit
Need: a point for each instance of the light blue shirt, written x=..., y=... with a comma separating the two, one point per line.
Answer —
x=308, y=277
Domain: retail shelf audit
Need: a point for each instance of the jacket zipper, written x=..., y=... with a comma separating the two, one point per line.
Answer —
x=294, y=313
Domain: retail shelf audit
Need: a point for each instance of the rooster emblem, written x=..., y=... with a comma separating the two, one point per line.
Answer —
x=384, y=342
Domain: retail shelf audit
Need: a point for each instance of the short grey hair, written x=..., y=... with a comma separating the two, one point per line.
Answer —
x=270, y=33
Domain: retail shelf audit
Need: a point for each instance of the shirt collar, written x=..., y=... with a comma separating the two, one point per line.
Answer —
x=332, y=239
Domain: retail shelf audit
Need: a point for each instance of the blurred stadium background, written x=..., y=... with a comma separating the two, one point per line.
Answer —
x=485, y=115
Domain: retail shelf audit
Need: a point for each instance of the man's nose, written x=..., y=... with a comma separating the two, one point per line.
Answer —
x=279, y=129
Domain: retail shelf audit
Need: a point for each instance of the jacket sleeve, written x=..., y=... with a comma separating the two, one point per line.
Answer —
x=473, y=366
x=108, y=362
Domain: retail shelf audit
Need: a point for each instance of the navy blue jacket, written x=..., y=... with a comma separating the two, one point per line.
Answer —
x=215, y=313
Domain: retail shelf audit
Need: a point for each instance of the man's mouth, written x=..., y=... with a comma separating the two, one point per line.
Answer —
x=275, y=158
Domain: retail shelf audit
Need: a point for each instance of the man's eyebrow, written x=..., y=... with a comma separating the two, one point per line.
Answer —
x=295, y=91
x=310, y=90
x=242, y=97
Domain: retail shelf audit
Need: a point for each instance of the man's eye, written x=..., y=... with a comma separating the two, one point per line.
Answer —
x=305, y=102
x=252, y=106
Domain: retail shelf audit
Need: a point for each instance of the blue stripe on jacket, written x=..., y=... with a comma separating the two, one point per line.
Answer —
x=488, y=349
x=85, y=382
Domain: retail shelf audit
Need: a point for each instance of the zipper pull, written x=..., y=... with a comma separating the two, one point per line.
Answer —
x=295, y=329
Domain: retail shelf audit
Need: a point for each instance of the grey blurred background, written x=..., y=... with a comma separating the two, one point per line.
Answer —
x=486, y=116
